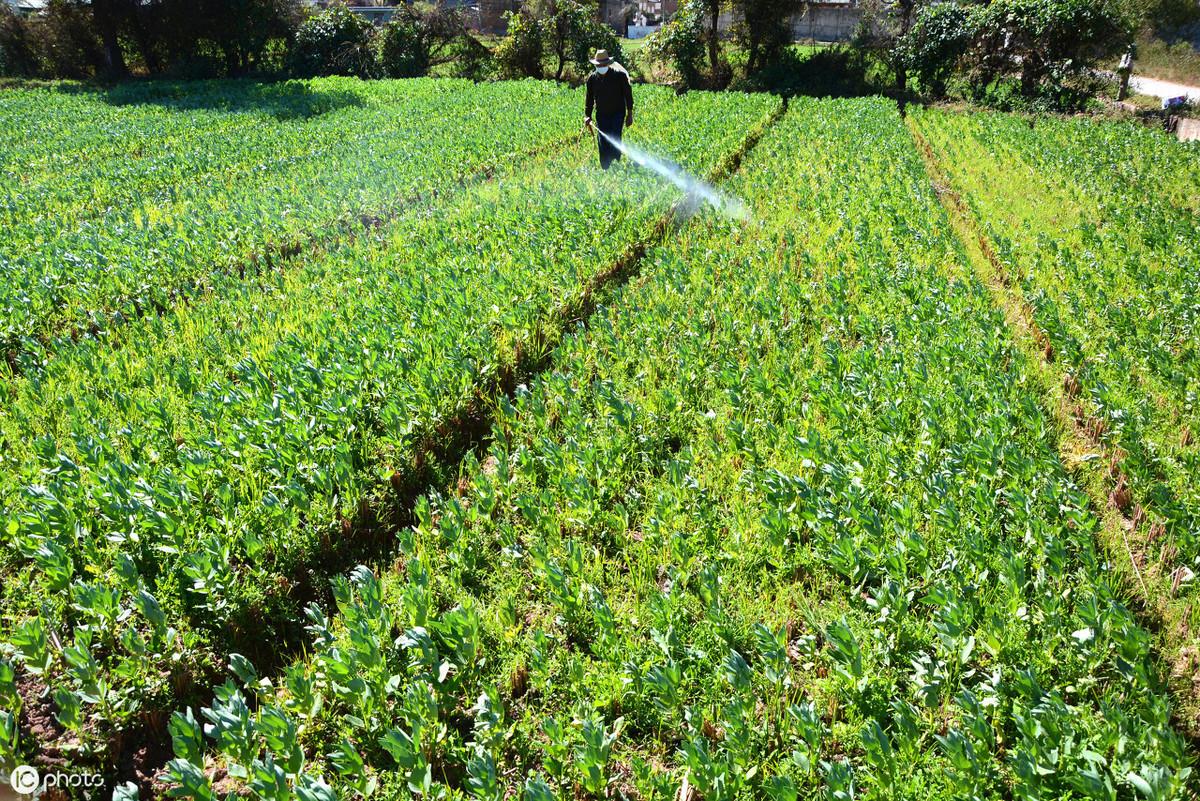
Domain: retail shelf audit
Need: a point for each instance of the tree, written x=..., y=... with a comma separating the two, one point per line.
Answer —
x=937, y=42
x=1047, y=41
x=419, y=36
x=17, y=57
x=107, y=16
x=65, y=41
x=713, y=9
x=242, y=29
x=520, y=53
x=765, y=27
x=1168, y=17
x=112, y=38
x=680, y=43
x=884, y=25
x=1042, y=42
x=574, y=33
x=569, y=31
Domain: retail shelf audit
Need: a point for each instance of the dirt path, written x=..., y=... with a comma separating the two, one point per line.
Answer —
x=1163, y=89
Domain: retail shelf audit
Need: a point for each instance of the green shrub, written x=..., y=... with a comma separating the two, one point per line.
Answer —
x=473, y=59
x=680, y=43
x=335, y=41
x=937, y=42
x=403, y=52
x=520, y=54
x=420, y=36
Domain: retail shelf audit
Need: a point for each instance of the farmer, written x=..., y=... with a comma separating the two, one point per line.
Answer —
x=611, y=96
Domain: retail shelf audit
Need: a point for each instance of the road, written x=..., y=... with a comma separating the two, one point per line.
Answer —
x=1163, y=89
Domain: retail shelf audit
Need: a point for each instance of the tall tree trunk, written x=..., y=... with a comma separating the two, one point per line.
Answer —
x=906, y=14
x=229, y=50
x=144, y=43
x=714, y=57
x=104, y=13
x=1031, y=75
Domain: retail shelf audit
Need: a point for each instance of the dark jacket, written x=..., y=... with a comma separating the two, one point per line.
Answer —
x=609, y=93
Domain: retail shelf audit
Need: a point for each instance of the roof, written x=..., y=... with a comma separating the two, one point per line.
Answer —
x=27, y=5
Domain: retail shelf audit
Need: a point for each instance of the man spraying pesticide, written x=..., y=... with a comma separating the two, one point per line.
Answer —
x=610, y=95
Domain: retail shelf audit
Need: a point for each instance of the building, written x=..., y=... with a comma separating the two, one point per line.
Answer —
x=820, y=21
x=27, y=7
x=381, y=12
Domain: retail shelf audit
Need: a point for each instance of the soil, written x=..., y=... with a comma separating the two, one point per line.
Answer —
x=38, y=724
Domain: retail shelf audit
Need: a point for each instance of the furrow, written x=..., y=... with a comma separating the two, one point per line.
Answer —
x=1095, y=463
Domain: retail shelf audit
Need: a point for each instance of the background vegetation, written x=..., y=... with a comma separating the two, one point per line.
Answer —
x=1006, y=53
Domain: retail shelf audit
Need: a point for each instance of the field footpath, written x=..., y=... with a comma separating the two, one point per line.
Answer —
x=465, y=430
x=344, y=229
x=1125, y=528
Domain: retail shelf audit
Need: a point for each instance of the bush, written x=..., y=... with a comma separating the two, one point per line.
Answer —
x=520, y=54
x=420, y=36
x=680, y=43
x=335, y=41
x=402, y=50
x=473, y=59
x=939, y=39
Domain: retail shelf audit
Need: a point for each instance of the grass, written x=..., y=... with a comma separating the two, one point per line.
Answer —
x=1178, y=62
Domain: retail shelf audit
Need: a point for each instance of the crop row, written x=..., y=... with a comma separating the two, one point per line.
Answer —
x=64, y=128
x=783, y=521
x=1110, y=269
x=180, y=491
x=227, y=146
x=1126, y=164
x=157, y=241
x=50, y=126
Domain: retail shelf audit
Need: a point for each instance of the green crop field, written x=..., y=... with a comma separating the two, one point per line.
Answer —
x=366, y=440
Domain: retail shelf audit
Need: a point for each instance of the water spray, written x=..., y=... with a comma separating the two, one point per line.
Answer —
x=695, y=190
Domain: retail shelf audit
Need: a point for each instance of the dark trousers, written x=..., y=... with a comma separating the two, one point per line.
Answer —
x=611, y=124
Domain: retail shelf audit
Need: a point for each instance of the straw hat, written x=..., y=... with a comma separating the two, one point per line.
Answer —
x=601, y=58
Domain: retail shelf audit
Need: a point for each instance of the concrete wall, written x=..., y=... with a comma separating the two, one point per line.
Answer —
x=827, y=23
x=1188, y=130
x=376, y=15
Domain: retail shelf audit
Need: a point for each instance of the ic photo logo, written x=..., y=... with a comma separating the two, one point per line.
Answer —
x=25, y=780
